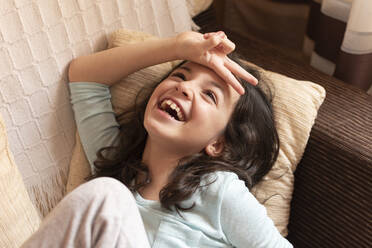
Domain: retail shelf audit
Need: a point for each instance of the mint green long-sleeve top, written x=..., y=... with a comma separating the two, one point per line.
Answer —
x=225, y=214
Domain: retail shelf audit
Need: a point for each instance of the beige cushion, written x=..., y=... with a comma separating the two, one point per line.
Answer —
x=195, y=7
x=18, y=216
x=296, y=104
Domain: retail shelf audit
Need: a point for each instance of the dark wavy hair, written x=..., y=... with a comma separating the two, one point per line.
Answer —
x=251, y=147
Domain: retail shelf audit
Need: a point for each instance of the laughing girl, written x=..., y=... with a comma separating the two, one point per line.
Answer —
x=178, y=173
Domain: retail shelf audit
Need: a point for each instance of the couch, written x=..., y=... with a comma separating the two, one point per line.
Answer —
x=331, y=204
x=332, y=198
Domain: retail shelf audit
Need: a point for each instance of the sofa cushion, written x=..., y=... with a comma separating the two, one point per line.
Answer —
x=18, y=216
x=195, y=7
x=295, y=104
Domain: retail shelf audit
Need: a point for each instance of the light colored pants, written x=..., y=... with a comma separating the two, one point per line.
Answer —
x=99, y=213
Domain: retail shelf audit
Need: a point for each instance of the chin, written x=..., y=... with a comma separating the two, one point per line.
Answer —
x=156, y=130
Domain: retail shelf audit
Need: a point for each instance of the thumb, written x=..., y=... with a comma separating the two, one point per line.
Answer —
x=211, y=42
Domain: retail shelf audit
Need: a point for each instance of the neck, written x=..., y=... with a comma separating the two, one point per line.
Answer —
x=160, y=161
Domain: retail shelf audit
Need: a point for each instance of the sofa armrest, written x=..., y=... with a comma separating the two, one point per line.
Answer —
x=332, y=199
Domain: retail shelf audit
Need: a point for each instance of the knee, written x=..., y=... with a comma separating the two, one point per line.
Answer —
x=105, y=187
x=107, y=182
x=109, y=185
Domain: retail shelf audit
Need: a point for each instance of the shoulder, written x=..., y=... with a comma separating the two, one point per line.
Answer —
x=218, y=185
x=226, y=190
x=220, y=180
x=217, y=189
x=211, y=190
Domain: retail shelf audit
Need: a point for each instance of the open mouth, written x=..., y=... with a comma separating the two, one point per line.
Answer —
x=171, y=108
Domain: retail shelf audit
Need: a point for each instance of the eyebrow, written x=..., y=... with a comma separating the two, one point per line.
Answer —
x=211, y=82
x=185, y=68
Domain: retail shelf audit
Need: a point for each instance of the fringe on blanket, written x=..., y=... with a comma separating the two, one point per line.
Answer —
x=47, y=193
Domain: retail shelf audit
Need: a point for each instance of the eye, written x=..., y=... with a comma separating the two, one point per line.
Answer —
x=210, y=94
x=179, y=75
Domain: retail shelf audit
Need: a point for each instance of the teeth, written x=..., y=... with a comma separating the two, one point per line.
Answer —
x=163, y=105
x=173, y=106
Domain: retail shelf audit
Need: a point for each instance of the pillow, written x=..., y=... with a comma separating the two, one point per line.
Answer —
x=195, y=7
x=18, y=216
x=295, y=104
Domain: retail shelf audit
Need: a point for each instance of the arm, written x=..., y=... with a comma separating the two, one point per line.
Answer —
x=244, y=220
x=91, y=101
x=210, y=50
x=97, y=125
x=109, y=66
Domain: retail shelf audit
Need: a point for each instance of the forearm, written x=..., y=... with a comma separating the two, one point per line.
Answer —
x=109, y=66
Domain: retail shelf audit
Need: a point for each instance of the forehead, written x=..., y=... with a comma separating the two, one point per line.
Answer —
x=196, y=68
x=212, y=77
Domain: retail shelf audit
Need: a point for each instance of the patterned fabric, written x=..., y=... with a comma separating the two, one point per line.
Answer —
x=37, y=41
x=18, y=217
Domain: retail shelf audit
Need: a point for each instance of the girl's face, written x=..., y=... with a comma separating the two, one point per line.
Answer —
x=189, y=110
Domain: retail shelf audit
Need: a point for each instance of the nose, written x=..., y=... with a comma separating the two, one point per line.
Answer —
x=184, y=89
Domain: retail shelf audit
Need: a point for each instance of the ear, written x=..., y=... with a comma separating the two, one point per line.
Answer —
x=215, y=148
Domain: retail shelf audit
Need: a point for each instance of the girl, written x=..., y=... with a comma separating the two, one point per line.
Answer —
x=184, y=163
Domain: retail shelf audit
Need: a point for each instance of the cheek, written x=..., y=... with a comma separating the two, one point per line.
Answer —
x=155, y=96
x=151, y=104
x=210, y=120
x=162, y=88
x=207, y=113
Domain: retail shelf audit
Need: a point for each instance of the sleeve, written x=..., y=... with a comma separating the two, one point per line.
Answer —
x=94, y=116
x=244, y=220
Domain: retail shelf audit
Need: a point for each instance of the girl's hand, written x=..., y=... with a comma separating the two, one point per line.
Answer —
x=211, y=50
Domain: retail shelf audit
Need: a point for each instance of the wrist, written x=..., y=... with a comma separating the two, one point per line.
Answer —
x=170, y=43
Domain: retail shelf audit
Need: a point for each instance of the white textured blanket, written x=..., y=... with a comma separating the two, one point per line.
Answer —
x=38, y=38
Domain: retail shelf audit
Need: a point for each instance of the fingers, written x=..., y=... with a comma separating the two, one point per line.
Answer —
x=226, y=46
x=228, y=77
x=219, y=41
x=212, y=42
x=240, y=72
x=219, y=33
x=229, y=68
